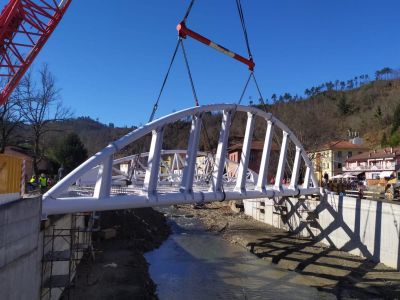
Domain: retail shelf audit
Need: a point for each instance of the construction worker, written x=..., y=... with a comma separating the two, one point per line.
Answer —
x=43, y=182
x=32, y=183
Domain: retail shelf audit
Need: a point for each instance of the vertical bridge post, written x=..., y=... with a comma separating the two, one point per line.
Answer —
x=245, y=155
x=263, y=173
x=102, y=188
x=191, y=156
x=282, y=161
x=153, y=165
x=306, y=183
x=221, y=151
x=296, y=169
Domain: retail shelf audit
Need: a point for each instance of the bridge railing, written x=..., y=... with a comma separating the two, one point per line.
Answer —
x=187, y=189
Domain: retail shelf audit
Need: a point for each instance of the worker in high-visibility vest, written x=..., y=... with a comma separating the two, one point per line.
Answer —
x=43, y=182
x=32, y=183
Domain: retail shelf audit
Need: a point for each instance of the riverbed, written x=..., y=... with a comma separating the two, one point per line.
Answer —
x=197, y=264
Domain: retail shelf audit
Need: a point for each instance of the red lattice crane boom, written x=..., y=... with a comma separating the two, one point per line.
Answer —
x=25, y=26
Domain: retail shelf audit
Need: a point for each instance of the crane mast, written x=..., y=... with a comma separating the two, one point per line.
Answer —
x=25, y=26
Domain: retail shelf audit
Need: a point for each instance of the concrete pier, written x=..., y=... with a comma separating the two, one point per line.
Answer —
x=32, y=251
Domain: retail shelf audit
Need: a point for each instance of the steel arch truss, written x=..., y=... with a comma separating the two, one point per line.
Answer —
x=190, y=184
x=133, y=168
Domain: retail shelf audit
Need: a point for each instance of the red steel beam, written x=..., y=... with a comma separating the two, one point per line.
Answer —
x=183, y=32
x=25, y=26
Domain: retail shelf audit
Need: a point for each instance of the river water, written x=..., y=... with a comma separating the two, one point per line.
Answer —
x=195, y=264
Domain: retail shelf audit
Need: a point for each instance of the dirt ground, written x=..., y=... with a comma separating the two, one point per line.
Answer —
x=325, y=268
x=119, y=270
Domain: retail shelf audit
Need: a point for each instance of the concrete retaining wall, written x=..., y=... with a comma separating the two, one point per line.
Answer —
x=21, y=249
x=362, y=227
x=20, y=264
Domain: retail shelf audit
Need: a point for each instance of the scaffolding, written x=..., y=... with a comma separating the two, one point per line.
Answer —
x=63, y=249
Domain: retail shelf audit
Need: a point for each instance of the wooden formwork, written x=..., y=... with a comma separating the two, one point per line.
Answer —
x=11, y=177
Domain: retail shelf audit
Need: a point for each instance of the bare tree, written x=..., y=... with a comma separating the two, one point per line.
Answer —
x=40, y=108
x=10, y=119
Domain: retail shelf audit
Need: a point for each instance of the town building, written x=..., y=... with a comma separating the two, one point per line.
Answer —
x=257, y=147
x=330, y=158
x=376, y=164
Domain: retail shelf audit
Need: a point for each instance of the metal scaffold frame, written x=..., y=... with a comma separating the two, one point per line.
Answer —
x=78, y=242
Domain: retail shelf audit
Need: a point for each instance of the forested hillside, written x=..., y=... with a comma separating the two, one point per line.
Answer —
x=327, y=112
x=370, y=108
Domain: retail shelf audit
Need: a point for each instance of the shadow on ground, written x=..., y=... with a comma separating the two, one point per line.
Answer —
x=331, y=270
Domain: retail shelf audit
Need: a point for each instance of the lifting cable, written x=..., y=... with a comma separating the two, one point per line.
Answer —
x=189, y=9
x=242, y=21
x=155, y=107
x=179, y=43
x=245, y=88
x=241, y=16
x=246, y=38
x=196, y=101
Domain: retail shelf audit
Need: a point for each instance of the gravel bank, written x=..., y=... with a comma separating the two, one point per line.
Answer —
x=329, y=270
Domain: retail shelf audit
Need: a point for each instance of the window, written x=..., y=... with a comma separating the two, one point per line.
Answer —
x=398, y=176
x=339, y=165
x=339, y=154
x=349, y=154
x=375, y=175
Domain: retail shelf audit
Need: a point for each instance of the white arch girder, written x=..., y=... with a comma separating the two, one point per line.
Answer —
x=55, y=201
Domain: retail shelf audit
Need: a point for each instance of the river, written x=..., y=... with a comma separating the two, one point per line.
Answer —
x=196, y=264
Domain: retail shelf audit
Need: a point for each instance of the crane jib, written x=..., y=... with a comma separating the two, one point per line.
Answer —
x=25, y=26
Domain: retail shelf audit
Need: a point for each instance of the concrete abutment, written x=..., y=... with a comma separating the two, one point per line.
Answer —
x=367, y=228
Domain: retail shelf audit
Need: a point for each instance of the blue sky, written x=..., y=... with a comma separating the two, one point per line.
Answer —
x=109, y=57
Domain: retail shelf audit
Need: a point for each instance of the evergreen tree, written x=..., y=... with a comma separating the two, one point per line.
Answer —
x=378, y=114
x=384, y=141
x=343, y=106
x=396, y=119
x=394, y=139
x=329, y=85
x=70, y=152
x=274, y=98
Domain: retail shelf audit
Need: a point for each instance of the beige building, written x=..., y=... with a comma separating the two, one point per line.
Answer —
x=330, y=158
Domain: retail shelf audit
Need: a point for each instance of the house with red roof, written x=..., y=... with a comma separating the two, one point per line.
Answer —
x=376, y=164
x=330, y=158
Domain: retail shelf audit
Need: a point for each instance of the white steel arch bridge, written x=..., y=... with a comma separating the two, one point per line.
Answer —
x=172, y=163
x=150, y=185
